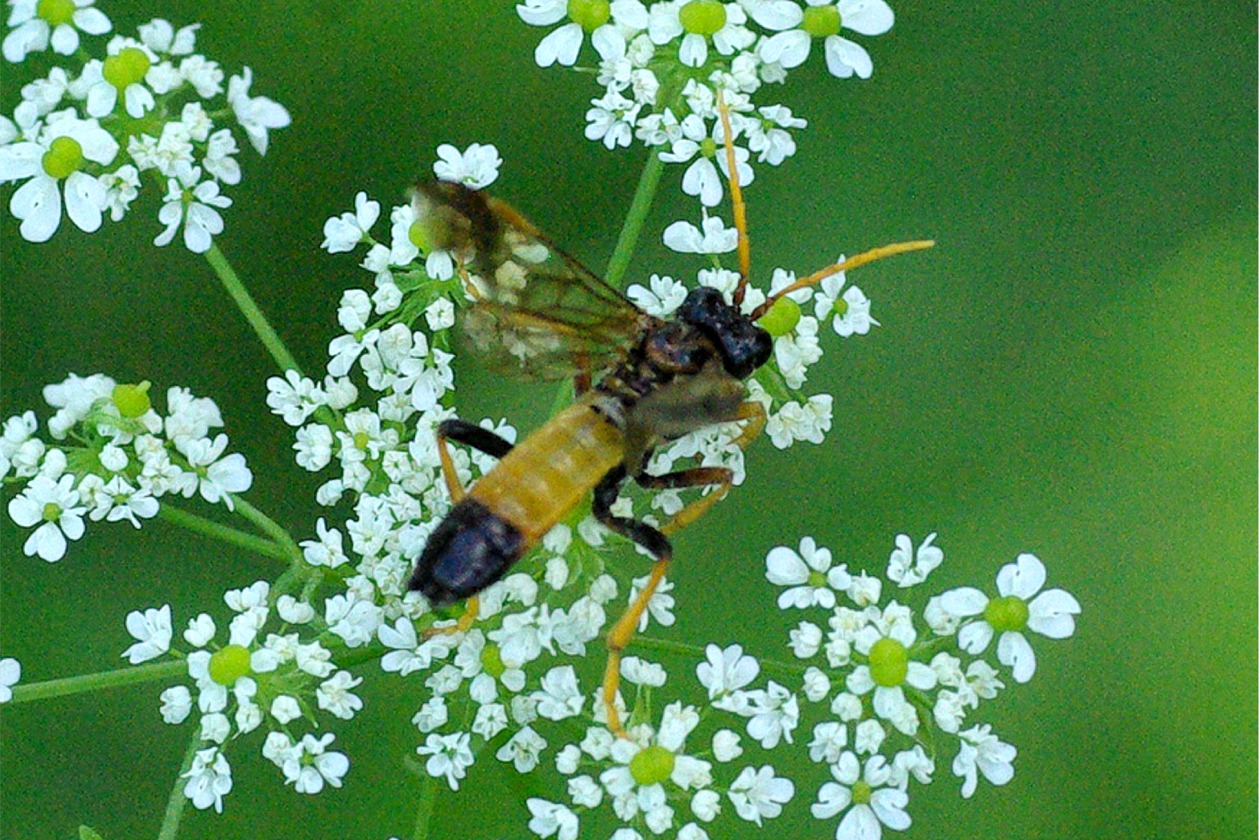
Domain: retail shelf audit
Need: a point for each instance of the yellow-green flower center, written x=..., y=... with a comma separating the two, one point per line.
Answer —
x=229, y=665
x=840, y=306
x=1007, y=613
x=361, y=440
x=132, y=400
x=52, y=511
x=126, y=68
x=63, y=158
x=889, y=661
x=56, y=12
x=702, y=17
x=861, y=792
x=821, y=21
x=652, y=765
x=782, y=318
x=491, y=661
x=708, y=147
x=589, y=14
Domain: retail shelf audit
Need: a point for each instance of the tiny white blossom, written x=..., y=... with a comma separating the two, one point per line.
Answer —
x=759, y=793
x=1018, y=608
x=342, y=233
x=256, y=114
x=907, y=567
x=152, y=630
x=476, y=167
x=31, y=32
x=865, y=788
x=982, y=751
x=10, y=673
x=809, y=574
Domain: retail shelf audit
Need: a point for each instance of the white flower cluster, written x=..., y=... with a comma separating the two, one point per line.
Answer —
x=662, y=64
x=250, y=679
x=882, y=674
x=93, y=129
x=112, y=457
x=649, y=777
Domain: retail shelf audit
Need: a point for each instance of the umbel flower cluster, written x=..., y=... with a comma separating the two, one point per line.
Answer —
x=883, y=687
x=147, y=108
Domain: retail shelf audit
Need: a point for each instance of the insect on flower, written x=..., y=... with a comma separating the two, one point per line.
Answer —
x=542, y=315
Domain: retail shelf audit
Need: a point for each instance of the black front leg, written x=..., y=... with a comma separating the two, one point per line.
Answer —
x=470, y=434
x=640, y=533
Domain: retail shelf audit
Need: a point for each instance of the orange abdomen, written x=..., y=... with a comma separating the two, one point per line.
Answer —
x=548, y=473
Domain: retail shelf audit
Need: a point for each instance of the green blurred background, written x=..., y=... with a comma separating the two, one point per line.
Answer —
x=1072, y=372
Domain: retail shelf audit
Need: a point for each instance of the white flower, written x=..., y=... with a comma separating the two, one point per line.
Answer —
x=342, y=233
x=874, y=804
x=217, y=478
x=152, y=629
x=449, y=756
x=759, y=793
x=716, y=238
x=830, y=739
x=1015, y=609
x=724, y=673
x=661, y=299
x=701, y=178
x=10, y=673
x=522, y=749
x=646, y=762
x=887, y=645
x=56, y=505
x=981, y=750
x=774, y=714
x=476, y=167
x=209, y=779
x=907, y=567
x=191, y=201
x=724, y=25
x=36, y=25
x=611, y=119
x=309, y=766
x=334, y=696
x=805, y=639
x=850, y=313
x=549, y=818
x=559, y=696
x=809, y=574
x=66, y=144
x=257, y=114
x=176, y=704
x=823, y=19
x=561, y=45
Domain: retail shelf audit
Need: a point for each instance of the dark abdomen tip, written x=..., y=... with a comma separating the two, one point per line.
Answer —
x=469, y=550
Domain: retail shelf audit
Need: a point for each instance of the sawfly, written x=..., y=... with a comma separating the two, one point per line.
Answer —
x=639, y=380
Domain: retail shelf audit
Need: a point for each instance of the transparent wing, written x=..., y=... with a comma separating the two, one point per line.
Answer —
x=540, y=313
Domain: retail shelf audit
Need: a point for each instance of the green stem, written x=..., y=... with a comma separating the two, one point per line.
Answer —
x=630, y=229
x=66, y=686
x=201, y=525
x=176, y=801
x=244, y=302
x=424, y=811
x=269, y=526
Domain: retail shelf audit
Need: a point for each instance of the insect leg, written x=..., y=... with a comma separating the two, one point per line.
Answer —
x=469, y=434
x=483, y=440
x=737, y=199
x=752, y=411
x=621, y=633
